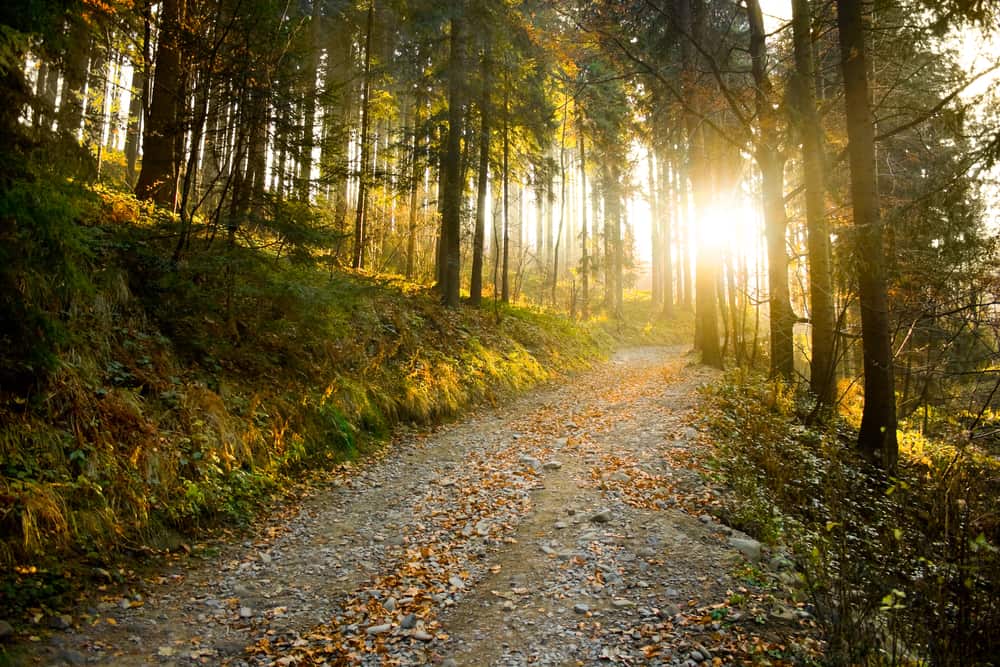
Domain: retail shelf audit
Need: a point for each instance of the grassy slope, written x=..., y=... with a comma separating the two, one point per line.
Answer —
x=181, y=395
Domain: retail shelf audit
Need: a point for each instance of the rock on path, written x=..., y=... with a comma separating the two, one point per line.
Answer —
x=557, y=530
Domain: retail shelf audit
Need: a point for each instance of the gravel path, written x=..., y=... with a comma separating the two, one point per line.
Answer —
x=566, y=528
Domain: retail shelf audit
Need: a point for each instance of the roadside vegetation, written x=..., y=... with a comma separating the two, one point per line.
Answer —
x=899, y=569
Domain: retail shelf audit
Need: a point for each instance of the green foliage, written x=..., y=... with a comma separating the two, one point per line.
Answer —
x=899, y=569
x=44, y=263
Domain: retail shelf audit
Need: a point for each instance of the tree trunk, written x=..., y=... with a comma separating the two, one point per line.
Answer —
x=452, y=200
x=562, y=203
x=822, y=375
x=135, y=125
x=309, y=104
x=139, y=101
x=684, y=239
x=618, y=231
x=361, y=210
x=707, y=260
x=612, y=240
x=656, y=260
x=411, y=232
x=187, y=187
x=505, y=269
x=584, y=256
x=482, y=185
x=97, y=81
x=877, y=437
x=45, y=95
x=158, y=178
x=772, y=167
x=667, y=214
x=74, y=78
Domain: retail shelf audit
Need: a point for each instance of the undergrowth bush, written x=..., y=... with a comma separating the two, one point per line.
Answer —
x=901, y=570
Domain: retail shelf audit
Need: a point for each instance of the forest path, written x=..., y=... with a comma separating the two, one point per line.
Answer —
x=560, y=529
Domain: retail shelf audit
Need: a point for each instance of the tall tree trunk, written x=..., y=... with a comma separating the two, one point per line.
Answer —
x=139, y=101
x=454, y=186
x=612, y=239
x=684, y=240
x=539, y=229
x=133, y=130
x=361, y=210
x=257, y=165
x=822, y=375
x=617, y=229
x=411, y=232
x=562, y=203
x=482, y=184
x=877, y=436
x=707, y=260
x=309, y=103
x=667, y=214
x=215, y=140
x=772, y=167
x=187, y=187
x=608, y=252
x=45, y=95
x=337, y=119
x=505, y=270
x=584, y=252
x=158, y=178
x=656, y=259
x=74, y=77
x=679, y=183
x=734, y=308
x=98, y=70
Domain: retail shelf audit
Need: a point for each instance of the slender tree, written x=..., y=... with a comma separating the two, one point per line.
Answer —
x=482, y=180
x=164, y=129
x=877, y=436
x=822, y=374
x=454, y=183
x=361, y=209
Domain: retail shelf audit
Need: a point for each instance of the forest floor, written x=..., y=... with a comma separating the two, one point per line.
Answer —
x=571, y=526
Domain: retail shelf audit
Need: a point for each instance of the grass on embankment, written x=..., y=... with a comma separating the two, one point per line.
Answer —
x=162, y=398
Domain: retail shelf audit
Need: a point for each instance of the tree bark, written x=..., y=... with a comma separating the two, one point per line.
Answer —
x=505, y=268
x=772, y=167
x=411, y=232
x=613, y=241
x=707, y=260
x=309, y=104
x=822, y=375
x=667, y=214
x=877, y=436
x=452, y=201
x=160, y=161
x=656, y=258
x=562, y=203
x=361, y=210
x=482, y=184
x=584, y=256
x=74, y=77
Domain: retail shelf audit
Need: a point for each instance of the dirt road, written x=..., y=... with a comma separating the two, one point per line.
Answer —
x=565, y=528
